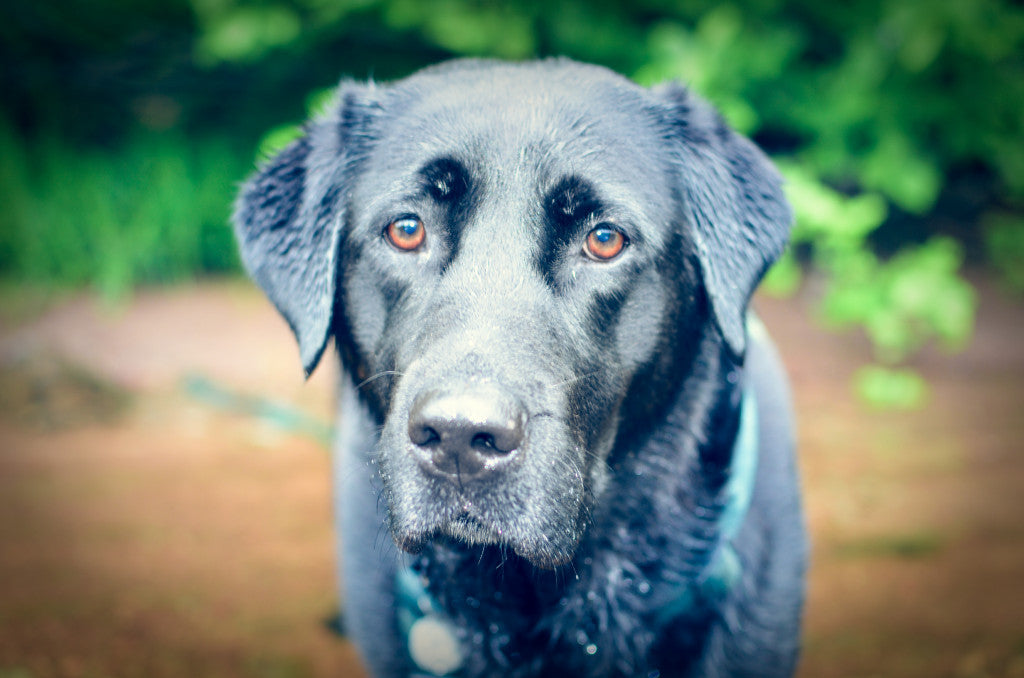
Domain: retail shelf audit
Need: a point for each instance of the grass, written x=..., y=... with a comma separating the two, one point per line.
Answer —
x=152, y=209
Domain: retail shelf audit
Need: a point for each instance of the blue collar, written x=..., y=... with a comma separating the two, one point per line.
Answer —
x=724, y=569
x=433, y=641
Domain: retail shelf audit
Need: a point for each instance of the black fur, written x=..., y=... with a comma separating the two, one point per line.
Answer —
x=569, y=554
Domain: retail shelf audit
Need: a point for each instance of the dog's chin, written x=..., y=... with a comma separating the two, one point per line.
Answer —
x=468, y=531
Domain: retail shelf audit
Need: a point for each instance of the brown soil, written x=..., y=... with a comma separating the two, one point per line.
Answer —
x=152, y=526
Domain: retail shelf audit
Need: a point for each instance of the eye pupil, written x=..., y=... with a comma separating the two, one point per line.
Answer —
x=406, y=234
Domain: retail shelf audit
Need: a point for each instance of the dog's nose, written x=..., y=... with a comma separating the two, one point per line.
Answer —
x=468, y=433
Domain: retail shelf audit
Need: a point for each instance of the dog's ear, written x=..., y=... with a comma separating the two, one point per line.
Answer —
x=289, y=215
x=734, y=203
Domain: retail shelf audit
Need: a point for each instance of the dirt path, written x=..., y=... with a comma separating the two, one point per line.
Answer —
x=146, y=531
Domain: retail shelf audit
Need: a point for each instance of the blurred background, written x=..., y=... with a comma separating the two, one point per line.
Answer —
x=164, y=506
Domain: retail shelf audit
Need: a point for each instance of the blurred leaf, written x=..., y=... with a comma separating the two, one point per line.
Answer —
x=783, y=279
x=823, y=214
x=904, y=302
x=467, y=28
x=1004, y=240
x=247, y=33
x=894, y=168
x=319, y=101
x=886, y=388
x=276, y=140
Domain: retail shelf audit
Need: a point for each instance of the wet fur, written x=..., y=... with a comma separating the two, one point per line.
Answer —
x=631, y=371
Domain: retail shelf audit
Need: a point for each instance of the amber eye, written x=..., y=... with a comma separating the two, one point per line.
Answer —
x=407, y=233
x=604, y=243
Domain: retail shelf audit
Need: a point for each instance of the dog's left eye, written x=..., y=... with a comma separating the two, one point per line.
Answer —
x=406, y=234
x=604, y=243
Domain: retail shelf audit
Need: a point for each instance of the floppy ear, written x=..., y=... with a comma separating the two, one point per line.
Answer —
x=734, y=203
x=289, y=215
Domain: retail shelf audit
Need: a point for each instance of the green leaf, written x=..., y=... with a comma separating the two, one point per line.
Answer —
x=247, y=33
x=1004, y=241
x=783, y=279
x=890, y=389
x=902, y=172
x=277, y=139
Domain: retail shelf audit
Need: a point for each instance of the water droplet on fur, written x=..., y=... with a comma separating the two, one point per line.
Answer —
x=493, y=628
x=644, y=588
x=581, y=638
x=591, y=649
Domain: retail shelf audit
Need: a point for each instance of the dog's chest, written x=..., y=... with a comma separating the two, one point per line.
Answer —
x=593, y=625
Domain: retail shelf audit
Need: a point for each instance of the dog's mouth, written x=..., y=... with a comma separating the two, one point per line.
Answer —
x=463, y=527
x=543, y=527
x=546, y=538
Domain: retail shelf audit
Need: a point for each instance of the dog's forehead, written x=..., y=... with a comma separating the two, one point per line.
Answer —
x=531, y=127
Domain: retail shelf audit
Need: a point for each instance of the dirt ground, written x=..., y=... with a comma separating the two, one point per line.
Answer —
x=164, y=512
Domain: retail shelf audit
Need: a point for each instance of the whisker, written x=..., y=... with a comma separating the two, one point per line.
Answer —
x=385, y=373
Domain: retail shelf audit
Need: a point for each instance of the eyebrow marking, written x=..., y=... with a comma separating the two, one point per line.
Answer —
x=448, y=183
x=571, y=201
x=568, y=207
x=445, y=179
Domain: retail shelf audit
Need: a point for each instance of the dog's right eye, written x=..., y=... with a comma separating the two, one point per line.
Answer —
x=604, y=243
x=406, y=234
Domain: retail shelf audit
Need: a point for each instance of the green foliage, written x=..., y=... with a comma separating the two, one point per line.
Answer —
x=276, y=139
x=244, y=33
x=470, y=28
x=871, y=107
x=153, y=210
x=1004, y=240
x=883, y=101
x=902, y=302
x=715, y=58
x=890, y=389
x=905, y=301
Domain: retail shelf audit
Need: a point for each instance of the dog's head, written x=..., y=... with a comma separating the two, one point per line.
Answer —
x=503, y=254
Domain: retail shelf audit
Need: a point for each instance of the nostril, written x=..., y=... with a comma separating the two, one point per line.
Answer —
x=485, y=443
x=484, y=440
x=423, y=436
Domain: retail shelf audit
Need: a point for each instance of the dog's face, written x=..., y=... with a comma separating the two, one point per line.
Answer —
x=515, y=262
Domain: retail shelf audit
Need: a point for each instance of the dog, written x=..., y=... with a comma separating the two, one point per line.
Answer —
x=565, y=445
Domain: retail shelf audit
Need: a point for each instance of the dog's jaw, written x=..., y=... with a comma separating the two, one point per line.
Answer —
x=530, y=532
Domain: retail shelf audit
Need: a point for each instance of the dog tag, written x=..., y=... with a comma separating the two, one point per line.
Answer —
x=433, y=646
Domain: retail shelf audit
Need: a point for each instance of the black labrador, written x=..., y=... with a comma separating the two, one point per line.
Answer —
x=554, y=399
